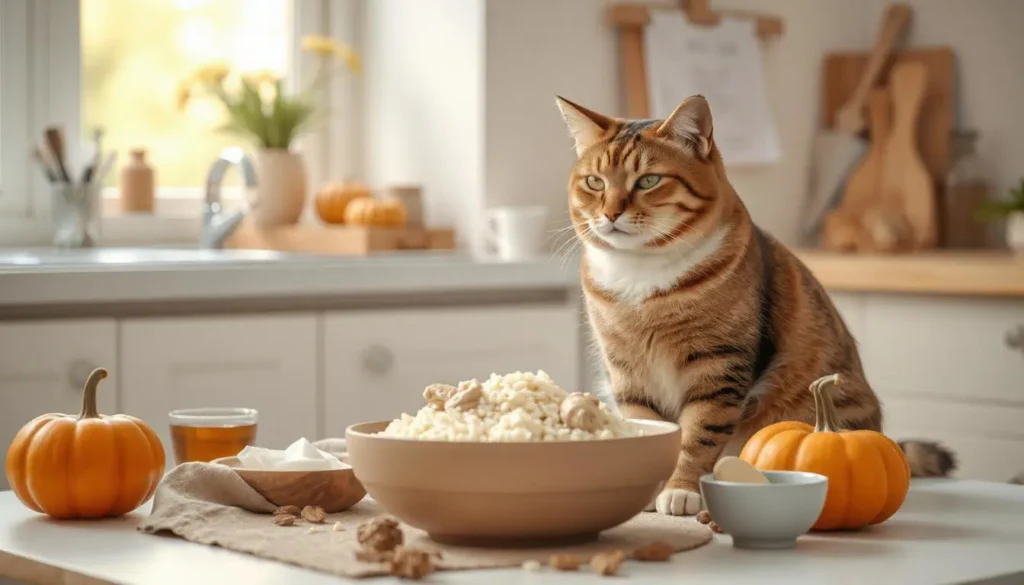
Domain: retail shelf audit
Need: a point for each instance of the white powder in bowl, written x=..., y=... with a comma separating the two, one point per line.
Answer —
x=515, y=407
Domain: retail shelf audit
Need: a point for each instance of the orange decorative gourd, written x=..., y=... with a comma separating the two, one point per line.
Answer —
x=332, y=201
x=85, y=466
x=376, y=212
x=868, y=474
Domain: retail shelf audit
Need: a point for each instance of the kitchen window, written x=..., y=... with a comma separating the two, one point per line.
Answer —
x=117, y=65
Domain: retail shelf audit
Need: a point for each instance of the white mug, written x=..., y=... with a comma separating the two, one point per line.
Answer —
x=516, y=233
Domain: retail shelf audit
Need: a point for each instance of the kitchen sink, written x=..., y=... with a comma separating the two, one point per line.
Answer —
x=51, y=257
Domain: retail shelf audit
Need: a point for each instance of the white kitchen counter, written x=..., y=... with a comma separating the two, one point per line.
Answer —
x=323, y=277
x=948, y=531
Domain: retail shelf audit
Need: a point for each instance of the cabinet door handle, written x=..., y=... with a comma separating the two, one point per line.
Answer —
x=78, y=373
x=378, y=360
x=1015, y=338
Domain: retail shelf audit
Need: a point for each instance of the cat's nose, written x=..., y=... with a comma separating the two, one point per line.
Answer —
x=613, y=215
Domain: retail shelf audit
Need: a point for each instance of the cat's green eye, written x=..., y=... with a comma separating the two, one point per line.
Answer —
x=594, y=182
x=648, y=181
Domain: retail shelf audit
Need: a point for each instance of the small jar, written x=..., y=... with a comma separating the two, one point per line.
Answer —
x=967, y=187
x=138, y=184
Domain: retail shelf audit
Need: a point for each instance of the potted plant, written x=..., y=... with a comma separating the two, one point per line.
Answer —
x=259, y=108
x=1012, y=210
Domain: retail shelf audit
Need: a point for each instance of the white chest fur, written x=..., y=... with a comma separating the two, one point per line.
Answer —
x=632, y=276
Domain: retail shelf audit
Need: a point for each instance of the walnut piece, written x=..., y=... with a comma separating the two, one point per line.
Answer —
x=338, y=527
x=284, y=519
x=314, y=514
x=437, y=394
x=293, y=510
x=565, y=562
x=581, y=411
x=467, y=398
x=410, y=563
x=715, y=527
x=608, y=563
x=704, y=517
x=656, y=551
x=532, y=566
x=380, y=534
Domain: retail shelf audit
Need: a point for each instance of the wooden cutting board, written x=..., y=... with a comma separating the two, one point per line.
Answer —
x=842, y=70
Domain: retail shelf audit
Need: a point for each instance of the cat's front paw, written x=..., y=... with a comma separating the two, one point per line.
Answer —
x=677, y=502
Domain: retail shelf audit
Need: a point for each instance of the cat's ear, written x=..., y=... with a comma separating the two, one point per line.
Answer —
x=690, y=123
x=586, y=126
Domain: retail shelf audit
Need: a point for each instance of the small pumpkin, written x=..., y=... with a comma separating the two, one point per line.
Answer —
x=868, y=474
x=376, y=212
x=333, y=199
x=85, y=466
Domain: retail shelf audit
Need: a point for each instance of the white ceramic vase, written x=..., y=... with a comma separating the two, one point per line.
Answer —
x=1015, y=231
x=281, y=188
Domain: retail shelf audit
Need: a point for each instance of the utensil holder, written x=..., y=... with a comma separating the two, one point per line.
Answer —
x=75, y=215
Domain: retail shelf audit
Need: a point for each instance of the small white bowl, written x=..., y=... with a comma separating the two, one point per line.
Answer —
x=766, y=516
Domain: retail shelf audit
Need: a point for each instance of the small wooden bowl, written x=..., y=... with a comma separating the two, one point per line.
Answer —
x=334, y=490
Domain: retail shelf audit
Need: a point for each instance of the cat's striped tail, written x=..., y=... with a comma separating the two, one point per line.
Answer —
x=928, y=458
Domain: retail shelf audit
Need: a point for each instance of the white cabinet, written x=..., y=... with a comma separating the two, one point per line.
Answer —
x=378, y=362
x=944, y=371
x=43, y=365
x=266, y=362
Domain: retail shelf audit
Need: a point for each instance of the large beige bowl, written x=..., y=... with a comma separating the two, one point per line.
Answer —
x=513, y=493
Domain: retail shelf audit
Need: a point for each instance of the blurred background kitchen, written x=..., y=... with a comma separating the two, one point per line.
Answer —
x=314, y=208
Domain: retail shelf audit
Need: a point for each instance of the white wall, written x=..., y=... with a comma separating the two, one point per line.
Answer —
x=423, y=103
x=499, y=103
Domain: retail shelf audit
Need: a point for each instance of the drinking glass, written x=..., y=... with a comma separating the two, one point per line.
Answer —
x=205, y=434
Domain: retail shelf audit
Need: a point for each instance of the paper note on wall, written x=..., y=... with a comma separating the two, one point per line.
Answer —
x=724, y=64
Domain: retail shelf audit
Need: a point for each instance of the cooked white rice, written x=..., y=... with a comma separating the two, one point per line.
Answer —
x=516, y=407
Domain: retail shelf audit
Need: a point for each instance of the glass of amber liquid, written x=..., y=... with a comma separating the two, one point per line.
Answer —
x=205, y=434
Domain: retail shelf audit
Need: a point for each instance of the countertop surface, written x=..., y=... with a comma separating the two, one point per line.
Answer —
x=232, y=278
x=982, y=273
x=948, y=531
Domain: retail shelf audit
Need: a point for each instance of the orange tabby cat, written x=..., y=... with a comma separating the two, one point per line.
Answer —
x=699, y=316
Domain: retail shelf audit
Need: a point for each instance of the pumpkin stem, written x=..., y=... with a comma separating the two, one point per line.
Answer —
x=89, y=394
x=825, y=419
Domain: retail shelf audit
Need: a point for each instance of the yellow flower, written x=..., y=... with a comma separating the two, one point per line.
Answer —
x=321, y=45
x=183, y=93
x=327, y=47
x=262, y=77
x=212, y=74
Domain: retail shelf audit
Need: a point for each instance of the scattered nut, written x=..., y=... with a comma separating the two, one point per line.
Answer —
x=565, y=562
x=293, y=510
x=314, y=514
x=608, y=563
x=532, y=566
x=437, y=394
x=380, y=534
x=338, y=527
x=715, y=527
x=581, y=411
x=656, y=551
x=374, y=556
x=313, y=530
x=410, y=563
x=703, y=517
x=468, y=397
x=284, y=519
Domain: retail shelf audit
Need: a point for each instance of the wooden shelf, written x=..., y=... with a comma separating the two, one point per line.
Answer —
x=983, y=273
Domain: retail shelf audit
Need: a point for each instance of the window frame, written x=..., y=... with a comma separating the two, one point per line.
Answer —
x=39, y=38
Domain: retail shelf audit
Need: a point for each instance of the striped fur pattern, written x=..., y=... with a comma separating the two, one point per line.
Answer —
x=699, y=317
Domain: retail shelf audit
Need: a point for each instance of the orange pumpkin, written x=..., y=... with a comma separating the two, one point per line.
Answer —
x=376, y=212
x=868, y=474
x=85, y=466
x=332, y=200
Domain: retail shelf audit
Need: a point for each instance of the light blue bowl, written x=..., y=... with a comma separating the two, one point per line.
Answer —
x=766, y=516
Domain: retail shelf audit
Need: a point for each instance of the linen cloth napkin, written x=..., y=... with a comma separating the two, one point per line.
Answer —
x=210, y=504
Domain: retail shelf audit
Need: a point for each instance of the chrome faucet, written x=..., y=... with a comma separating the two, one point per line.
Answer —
x=217, y=223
